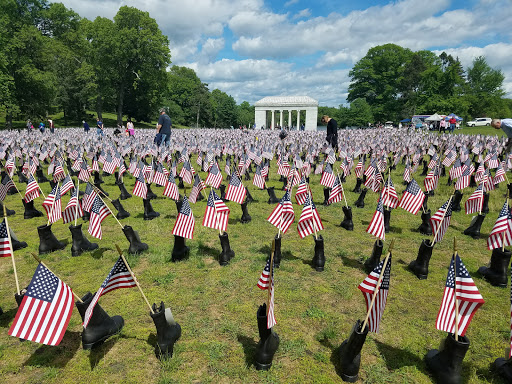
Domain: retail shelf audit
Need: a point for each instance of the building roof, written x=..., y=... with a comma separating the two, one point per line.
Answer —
x=286, y=101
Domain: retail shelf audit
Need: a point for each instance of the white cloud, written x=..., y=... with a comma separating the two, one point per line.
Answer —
x=302, y=14
x=291, y=2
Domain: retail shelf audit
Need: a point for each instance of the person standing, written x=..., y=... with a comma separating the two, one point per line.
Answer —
x=29, y=125
x=51, y=126
x=86, y=126
x=442, y=125
x=504, y=124
x=163, y=128
x=99, y=127
x=332, y=131
x=130, y=129
x=452, y=122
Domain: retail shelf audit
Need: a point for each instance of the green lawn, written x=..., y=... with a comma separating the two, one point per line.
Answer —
x=216, y=306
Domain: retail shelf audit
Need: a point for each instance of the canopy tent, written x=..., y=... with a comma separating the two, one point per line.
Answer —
x=453, y=115
x=434, y=117
x=405, y=121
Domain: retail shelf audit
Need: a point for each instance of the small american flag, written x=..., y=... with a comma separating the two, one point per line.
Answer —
x=412, y=198
x=327, y=178
x=358, y=170
x=214, y=177
x=441, y=220
x=475, y=201
x=99, y=212
x=431, y=180
x=499, y=177
x=140, y=188
x=67, y=184
x=53, y=205
x=119, y=277
x=88, y=199
x=236, y=191
x=216, y=215
x=171, y=189
x=5, y=186
x=44, y=313
x=376, y=226
x=463, y=180
x=336, y=194
x=309, y=221
x=258, y=179
x=459, y=286
x=456, y=170
x=368, y=287
x=109, y=166
x=71, y=209
x=196, y=189
x=85, y=171
x=302, y=191
x=5, y=245
x=374, y=179
x=283, y=215
x=159, y=176
x=264, y=280
x=187, y=172
x=389, y=196
x=184, y=225
x=502, y=230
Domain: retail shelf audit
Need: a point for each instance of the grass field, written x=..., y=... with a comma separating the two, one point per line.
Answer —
x=216, y=306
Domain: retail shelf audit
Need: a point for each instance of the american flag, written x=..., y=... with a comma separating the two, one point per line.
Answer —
x=196, y=189
x=58, y=173
x=264, y=280
x=53, y=205
x=227, y=167
x=122, y=170
x=147, y=170
x=431, y=180
x=159, y=176
x=319, y=168
x=89, y=197
x=99, y=212
x=77, y=164
x=412, y=198
x=499, y=176
x=463, y=180
x=119, y=277
x=407, y=172
x=456, y=170
x=5, y=245
x=368, y=287
x=171, y=189
x=502, y=230
x=433, y=161
x=327, y=178
x=186, y=172
x=459, y=286
x=374, y=179
x=109, y=166
x=67, y=184
x=345, y=167
x=71, y=209
x=389, y=196
x=184, y=225
x=44, y=313
x=309, y=221
x=214, y=177
x=95, y=166
x=5, y=186
x=441, y=220
x=302, y=191
x=85, y=171
x=475, y=201
x=140, y=188
x=331, y=157
x=283, y=167
x=32, y=191
x=10, y=165
x=376, y=226
x=216, y=215
x=336, y=194
x=493, y=162
x=283, y=216
x=359, y=169
x=258, y=179
x=487, y=181
x=236, y=191
x=372, y=167
x=449, y=159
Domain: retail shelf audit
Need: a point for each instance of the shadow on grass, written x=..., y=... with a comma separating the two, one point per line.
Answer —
x=335, y=353
x=352, y=263
x=7, y=317
x=249, y=346
x=205, y=250
x=490, y=375
x=100, y=352
x=396, y=358
x=56, y=356
x=171, y=216
x=286, y=255
x=98, y=253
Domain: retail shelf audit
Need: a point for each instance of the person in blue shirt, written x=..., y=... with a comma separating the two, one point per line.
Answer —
x=163, y=128
x=86, y=126
x=504, y=124
x=99, y=126
x=41, y=127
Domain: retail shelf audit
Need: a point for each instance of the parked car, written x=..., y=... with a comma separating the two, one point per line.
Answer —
x=388, y=124
x=479, y=122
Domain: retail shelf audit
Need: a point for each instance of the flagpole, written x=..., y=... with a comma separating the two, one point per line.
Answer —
x=12, y=252
x=77, y=200
x=7, y=173
x=342, y=190
x=215, y=210
x=98, y=191
x=387, y=190
x=311, y=206
x=455, y=295
x=112, y=213
x=377, y=287
x=271, y=278
x=53, y=205
x=439, y=227
x=41, y=262
x=37, y=183
x=134, y=278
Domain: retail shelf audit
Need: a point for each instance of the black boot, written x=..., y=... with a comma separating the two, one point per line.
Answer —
x=80, y=242
x=374, y=259
x=357, y=188
x=450, y=181
x=360, y=200
x=227, y=253
x=180, y=251
x=121, y=212
x=149, y=212
x=474, y=229
x=443, y=171
x=8, y=211
x=425, y=202
x=16, y=244
x=167, y=331
x=30, y=211
x=179, y=203
x=387, y=218
x=425, y=168
x=246, y=218
x=446, y=364
x=425, y=228
x=472, y=181
x=277, y=251
x=347, y=221
x=248, y=196
x=285, y=183
x=420, y=266
x=272, y=196
x=21, y=177
x=97, y=178
x=47, y=240
x=247, y=176
x=350, y=353
x=136, y=246
x=457, y=197
x=98, y=187
x=509, y=191
x=485, y=204
x=327, y=192
x=40, y=177
x=86, y=216
x=101, y=326
x=319, y=258
x=496, y=273
x=504, y=368
x=124, y=193
x=222, y=188
x=269, y=341
x=151, y=195
x=180, y=182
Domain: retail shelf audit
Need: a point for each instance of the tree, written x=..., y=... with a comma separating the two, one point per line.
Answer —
x=245, y=114
x=223, y=109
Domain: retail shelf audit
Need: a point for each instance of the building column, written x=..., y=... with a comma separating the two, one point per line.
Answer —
x=281, y=118
x=272, y=126
x=290, y=119
x=298, y=119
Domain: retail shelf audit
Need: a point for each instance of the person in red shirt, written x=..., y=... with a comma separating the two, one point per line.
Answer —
x=453, y=122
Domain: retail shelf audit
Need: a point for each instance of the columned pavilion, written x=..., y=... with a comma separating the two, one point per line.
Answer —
x=282, y=104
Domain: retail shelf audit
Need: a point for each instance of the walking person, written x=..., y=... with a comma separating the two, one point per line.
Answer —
x=99, y=127
x=163, y=128
x=453, y=122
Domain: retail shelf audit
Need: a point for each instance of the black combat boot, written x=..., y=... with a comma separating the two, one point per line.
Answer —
x=16, y=244
x=151, y=195
x=443, y=171
x=80, y=242
x=167, y=331
x=420, y=266
x=136, y=246
x=21, y=177
x=222, y=188
x=446, y=364
x=149, y=212
x=98, y=187
x=350, y=353
x=425, y=202
x=47, y=240
x=374, y=259
x=121, y=212
x=474, y=229
x=124, y=193
x=496, y=273
x=272, y=196
x=227, y=253
x=347, y=221
x=485, y=204
x=357, y=188
x=387, y=219
x=8, y=211
x=360, y=200
x=319, y=258
x=425, y=168
x=285, y=183
x=425, y=228
x=277, y=251
x=504, y=368
x=327, y=192
x=248, y=196
x=457, y=197
x=450, y=181
x=40, y=177
x=246, y=218
x=30, y=211
x=472, y=181
x=180, y=251
x=180, y=182
x=269, y=341
x=101, y=326
x=97, y=178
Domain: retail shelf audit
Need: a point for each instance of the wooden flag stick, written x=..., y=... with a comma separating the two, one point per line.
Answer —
x=444, y=213
x=271, y=279
x=77, y=200
x=12, y=252
x=40, y=261
x=342, y=190
x=217, y=221
x=455, y=295
x=53, y=205
x=377, y=287
x=312, y=219
x=98, y=191
x=37, y=183
x=112, y=213
x=15, y=186
x=134, y=278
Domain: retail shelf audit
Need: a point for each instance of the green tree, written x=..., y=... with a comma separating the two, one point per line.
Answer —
x=245, y=113
x=224, y=109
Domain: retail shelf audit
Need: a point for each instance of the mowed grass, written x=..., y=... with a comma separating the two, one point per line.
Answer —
x=216, y=306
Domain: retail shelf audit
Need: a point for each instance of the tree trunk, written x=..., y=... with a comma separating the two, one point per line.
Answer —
x=120, y=101
x=99, y=107
x=8, y=119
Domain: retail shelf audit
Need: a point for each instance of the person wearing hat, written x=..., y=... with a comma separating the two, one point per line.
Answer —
x=504, y=124
x=163, y=128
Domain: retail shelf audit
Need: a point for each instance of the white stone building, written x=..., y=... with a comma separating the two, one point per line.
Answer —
x=289, y=104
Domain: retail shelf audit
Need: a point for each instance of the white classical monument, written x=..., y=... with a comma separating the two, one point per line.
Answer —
x=286, y=103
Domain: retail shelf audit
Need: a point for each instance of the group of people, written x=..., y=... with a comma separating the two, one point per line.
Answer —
x=128, y=131
x=42, y=126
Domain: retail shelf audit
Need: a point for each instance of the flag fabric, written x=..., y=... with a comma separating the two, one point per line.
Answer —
x=431, y=180
x=327, y=178
x=373, y=181
x=216, y=215
x=459, y=286
x=475, y=201
x=368, y=287
x=53, y=205
x=159, y=176
x=89, y=197
x=309, y=221
x=502, y=230
x=388, y=194
x=214, y=177
x=412, y=198
x=271, y=319
x=5, y=244
x=264, y=280
x=336, y=193
x=184, y=225
x=463, y=180
x=5, y=186
x=140, y=188
x=283, y=215
x=85, y=171
x=499, y=176
x=44, y=313
x=118, y=277
x=32, y=192
x=441, y=220
x=358, y=170
x=376, y=226
x=171, y=189
x=187, y=172
x=99, y=212
x=456, y=170
x=302, y=191
x=67, y=184
x=236, y=191
x=196, y=189
x=71, y=208
x=258, y=179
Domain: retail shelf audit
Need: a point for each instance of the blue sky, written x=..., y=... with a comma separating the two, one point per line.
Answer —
x=256, y=48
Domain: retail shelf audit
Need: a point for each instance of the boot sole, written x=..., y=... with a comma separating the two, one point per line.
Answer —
x=319, y=269
x=262, y=367
x=99, y=342
x=349, y=379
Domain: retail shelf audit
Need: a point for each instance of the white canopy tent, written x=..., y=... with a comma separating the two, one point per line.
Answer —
x=434, y=117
